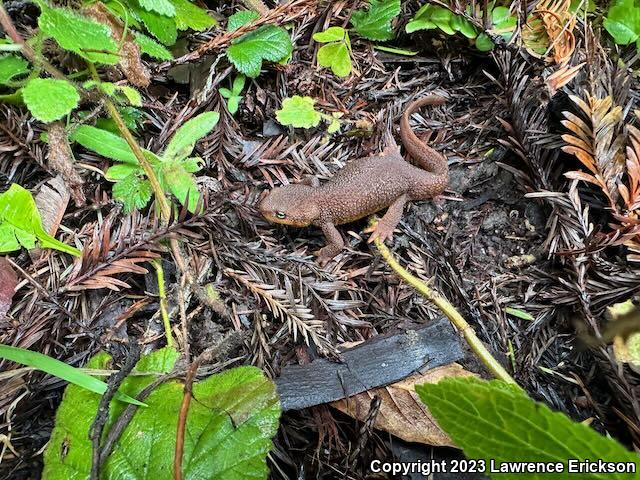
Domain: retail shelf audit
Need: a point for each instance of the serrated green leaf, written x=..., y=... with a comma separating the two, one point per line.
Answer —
x=120, y=171
x=133, y=191
x=49, y=99
x=265, y=43
x=162, y=27
x=104, y=143
x=21, y=223
x=185, y=138
x=497, y=422
x=331, y=34
x=163, y=7
x=623, y=21
x=181, y=184
x=335, y=56
x=61, y=370
x=229, y=427
x=191, y=16
x=298, y=112
x=241, y=18
x=132, y=95
x=12, y=66
x=151, y=47
x=375, y=23
x=81, y=35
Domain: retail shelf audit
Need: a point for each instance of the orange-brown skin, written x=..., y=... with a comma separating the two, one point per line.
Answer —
x=362, y=188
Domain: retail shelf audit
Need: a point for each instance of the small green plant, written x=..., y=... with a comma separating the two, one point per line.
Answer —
x=21, y=225
x=174, y=169
x=300, y=112
x=336, y=53
x=431, y=16
x=265, y=43
x=623, y=22
x=61, y=370
x=497, y=424
x=229, y=427
x=233, y=96
x=375, y=23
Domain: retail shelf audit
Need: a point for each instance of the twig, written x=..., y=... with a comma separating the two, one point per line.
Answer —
x=215, y=351
x=127, y=414
x=102, y=415
x=449, y=310
x=257, y=5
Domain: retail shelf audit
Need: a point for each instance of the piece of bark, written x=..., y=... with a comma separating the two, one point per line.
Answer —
x=380, y=361
x=52, y=201
x=402, y=413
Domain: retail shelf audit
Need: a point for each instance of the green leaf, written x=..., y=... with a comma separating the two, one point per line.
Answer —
x=191, y=16
x=231, y=421
x=484, y=43
x=61, y=370
x=162, y=27
x=133, y=191
x=104, y=143
x=516, y=312
x=233, y=104
x=265, y=43
x=120, y=171
x=225, y=92
x=335, y=56
x=442, y=17
x=21, y=224
x=397, y=51
x=331, y=34
x=238, y=84
x=163, y=7
x=375, y=23
x=50, y=99
x=463, y=26
x=421, y=20
x=81, y=35
x=241, y=18
x=298, y=111
x=497, y=422
x=623, y=21
x=151, y=47
x=132, y=95
x=12, y=66
x=181, y=184
x=185, y=138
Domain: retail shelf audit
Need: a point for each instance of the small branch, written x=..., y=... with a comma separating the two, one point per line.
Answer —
x=450, y=311
x=257, y=5
x=102, y=415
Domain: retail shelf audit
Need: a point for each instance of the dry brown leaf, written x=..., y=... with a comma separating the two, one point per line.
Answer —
x=402, y=413
x=60, y=159
x=130, y=61
x=550, y=27
x=562, y=77
x=8, y=283
x=52, y=201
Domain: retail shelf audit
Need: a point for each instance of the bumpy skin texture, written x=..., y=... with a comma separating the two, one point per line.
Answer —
x=363, y=187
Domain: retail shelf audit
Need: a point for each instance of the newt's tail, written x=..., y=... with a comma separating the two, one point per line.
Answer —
x=423, y=155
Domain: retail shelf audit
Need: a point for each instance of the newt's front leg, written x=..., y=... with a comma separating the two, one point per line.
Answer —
x=335, y=243
x=385, y=227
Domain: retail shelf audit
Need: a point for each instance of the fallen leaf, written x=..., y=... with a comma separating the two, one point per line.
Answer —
x=8, y=283
x=402, y=413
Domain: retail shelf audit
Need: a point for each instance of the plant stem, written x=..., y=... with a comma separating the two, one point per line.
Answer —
x=25, y=48
x=162, y=294
x=165, y=208
x=450, y=311
x=256, y=5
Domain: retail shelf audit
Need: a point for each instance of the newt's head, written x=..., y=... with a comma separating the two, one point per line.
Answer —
x=290, y=205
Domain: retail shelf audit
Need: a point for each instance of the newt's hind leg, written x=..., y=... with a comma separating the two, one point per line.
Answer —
x=385, y=227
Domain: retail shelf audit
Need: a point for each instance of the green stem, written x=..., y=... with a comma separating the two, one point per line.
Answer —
x=450, y=311
x=162, y=294
x=165, y=208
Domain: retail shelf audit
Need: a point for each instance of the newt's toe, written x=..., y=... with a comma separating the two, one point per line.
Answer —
x=381, y=230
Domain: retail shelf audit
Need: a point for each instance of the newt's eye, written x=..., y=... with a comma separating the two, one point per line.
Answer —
x=281, y=215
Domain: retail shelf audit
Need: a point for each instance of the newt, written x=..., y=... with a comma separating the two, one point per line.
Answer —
x=363, y=187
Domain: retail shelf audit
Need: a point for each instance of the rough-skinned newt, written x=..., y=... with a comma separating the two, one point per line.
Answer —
x=363, y=187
